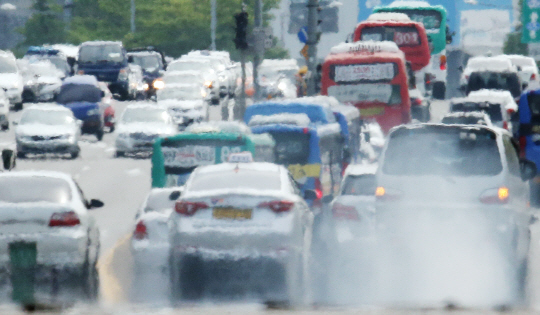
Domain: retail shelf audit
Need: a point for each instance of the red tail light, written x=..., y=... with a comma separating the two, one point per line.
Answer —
x=318, y=188
x=416, y=102
x=505, y=125
x=140, y=231
x=64, y=219
x=533, y=76
x=522, y=145
x=466, y=77
x=343, y=212
x=277, y=205
x=495, y=196
x=189, y=208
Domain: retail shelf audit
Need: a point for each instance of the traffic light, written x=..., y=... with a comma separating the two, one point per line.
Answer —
x=241, y=30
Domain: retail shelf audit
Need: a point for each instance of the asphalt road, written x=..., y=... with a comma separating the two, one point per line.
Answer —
x=122, y=184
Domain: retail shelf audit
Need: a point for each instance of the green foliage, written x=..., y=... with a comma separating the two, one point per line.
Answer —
x=276, y=52
x=174, y=26
x=45, y=25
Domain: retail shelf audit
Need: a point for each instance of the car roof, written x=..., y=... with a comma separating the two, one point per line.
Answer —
x=361, y=169
x=51, y=174
x=226, y=167
x=493, y=129
x=101, y=42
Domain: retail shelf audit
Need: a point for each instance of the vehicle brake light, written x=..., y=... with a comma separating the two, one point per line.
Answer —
x=522, y=146
x=305, y=130
x=189, y=208
x=64, y=219
x=466, y=77
x=140, y=231
x=343, y=212
x=277, y=205
x=495, y=196
x=383, y=194
x=533, y=76
x=442, y=61
x=505, y=125
x=417, y=102
x=80, y=72
x=318, y=188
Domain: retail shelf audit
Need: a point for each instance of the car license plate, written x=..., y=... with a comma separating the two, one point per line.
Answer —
x=372, y=111
x=232, y=213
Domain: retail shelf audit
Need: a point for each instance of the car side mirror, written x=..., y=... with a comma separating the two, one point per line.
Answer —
x=130, y=59
x=310, y=194
x=327, y=199
x=528, y=169
x=175, y=195
x=8, y=159
x=95, y=203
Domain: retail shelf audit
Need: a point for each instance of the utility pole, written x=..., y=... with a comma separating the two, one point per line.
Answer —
x=213, y=23
x=258, y=45
x=312, y=41
x=241, y=43
x=133, y=29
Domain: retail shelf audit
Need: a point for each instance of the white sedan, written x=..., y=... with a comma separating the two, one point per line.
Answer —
x=240, y=229
x=140, y=125
x=49, y=211
x=48, y=128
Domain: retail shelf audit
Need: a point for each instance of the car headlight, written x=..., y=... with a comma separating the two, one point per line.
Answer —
x=282, y=86
x=158, y=84
x=146, y=86
x=92, y=112
x=209, y=84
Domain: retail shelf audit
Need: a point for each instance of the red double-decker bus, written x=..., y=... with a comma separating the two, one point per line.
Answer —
x=373, y=77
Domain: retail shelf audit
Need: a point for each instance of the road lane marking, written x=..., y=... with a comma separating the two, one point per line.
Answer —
x=110, y=286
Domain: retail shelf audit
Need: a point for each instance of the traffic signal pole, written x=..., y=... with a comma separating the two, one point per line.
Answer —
x=313, y=5
x=241, y=44
x=257, y=47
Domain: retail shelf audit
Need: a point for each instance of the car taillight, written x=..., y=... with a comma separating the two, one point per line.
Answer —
x=64, y=219
x=442, y=61
x=533, y=76
x=140, y=231
x=383, y=194
x=343, y=212
x=416, y=102
x=522, y=146
x=277, y=205
x=495, y=196
x=466, y=77
x=505, y=125
x=318, y=188
x=189, y=208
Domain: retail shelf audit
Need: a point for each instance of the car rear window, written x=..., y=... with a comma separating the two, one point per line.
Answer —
x=492, y=109
x=443, y=151
x=15, y=189
x=291, y=148
x=534, y=104
x=234, y=179
x=359, y=185
x=507, y=81
x=463, y=120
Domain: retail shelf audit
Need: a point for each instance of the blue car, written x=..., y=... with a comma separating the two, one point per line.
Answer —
x=81, y=94
x=529, y=135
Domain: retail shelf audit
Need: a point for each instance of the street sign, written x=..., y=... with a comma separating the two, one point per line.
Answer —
x=304, y=51
x=530, y=20
x=302, y=35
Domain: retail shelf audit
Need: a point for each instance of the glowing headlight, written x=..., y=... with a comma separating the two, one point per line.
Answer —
x=158, y=84
x=146, y=86
x=203, y=93
x=208, y=84
x=282, y=86
x=92, y=112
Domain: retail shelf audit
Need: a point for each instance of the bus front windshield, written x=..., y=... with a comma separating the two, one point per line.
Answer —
x=430, y=18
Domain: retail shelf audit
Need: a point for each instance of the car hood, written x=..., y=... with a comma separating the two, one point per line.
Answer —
x=44, y=130
x=148, y=128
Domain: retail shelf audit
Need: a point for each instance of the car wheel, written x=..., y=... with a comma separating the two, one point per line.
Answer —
x=21, y=155
x=111, y=128
x=439, y=90
x=119, y=154
x=75, y=154
x=99, y=134
x=5, y=127
x=18, y=106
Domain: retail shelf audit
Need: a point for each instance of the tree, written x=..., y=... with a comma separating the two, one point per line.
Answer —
x=45, y=25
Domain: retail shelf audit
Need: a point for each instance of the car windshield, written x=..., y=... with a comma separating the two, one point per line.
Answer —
x=7, y=65
x=19, y=189
x=187, y=93
x=101, y=53
x=51, y=117
x=190, y=66
x=442, y=151
x=507, y=81
x=145, y=115
x=243, y=179
x=291, y=148
x=74, y=93
x=182, y=79
x=149, y=62
x=359, y=185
